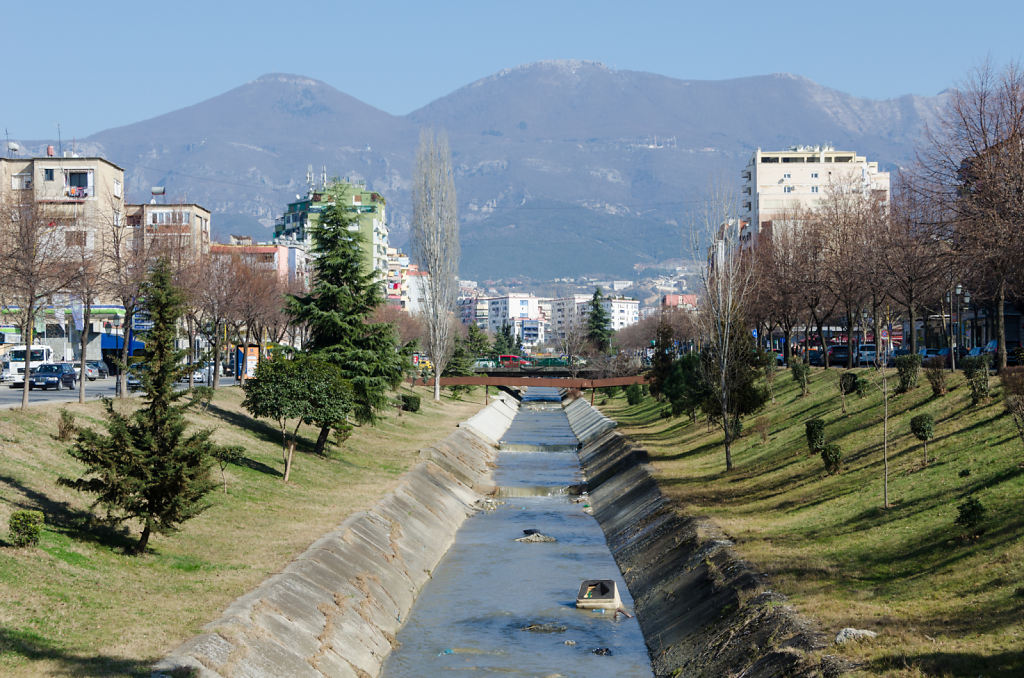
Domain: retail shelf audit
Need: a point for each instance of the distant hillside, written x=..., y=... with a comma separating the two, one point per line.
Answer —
x=564, y=167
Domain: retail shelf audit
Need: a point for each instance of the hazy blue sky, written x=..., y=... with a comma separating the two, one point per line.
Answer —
x=97, y=65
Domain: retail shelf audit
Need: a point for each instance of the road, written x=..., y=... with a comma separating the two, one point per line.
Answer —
x=11, y=397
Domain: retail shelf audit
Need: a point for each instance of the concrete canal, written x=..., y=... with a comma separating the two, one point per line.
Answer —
x=495, y=605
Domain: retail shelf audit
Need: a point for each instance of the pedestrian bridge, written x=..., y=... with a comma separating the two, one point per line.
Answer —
x=509, y=382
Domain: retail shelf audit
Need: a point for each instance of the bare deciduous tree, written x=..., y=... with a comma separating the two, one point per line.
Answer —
x=435, y=244
x=36, y=248
x=975, y=168
x=726, y=284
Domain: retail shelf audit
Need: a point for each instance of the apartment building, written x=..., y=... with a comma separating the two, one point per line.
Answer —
x=474, y=310
x=84, y=197
x=622, y=311
x=778, y=183
x=522, y=313
x=565, y=311
x=369, y=208
x=271, y=258
x=181, y=229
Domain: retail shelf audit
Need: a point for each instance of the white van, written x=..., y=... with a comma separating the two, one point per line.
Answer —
x=38, y=354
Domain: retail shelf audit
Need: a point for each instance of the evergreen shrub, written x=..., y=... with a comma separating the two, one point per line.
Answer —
x=815, y=429
x=908, y=367
x=976, y=372
x=832, y=456
x=410, y=402
x=25, y=527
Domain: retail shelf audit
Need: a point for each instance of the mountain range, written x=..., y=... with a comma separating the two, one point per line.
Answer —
x=563, y=168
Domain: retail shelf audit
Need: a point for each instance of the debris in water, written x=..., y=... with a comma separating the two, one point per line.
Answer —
x=530, y=531
x=544, y=628
x=570, y=643
x=602, y=651
x=445, y=651
x=535, y=537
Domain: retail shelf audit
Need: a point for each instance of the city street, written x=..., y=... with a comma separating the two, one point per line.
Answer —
x=11, y=397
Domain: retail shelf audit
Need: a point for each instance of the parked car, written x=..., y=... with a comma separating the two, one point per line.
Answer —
x=815, y=357
x=198, y=376
x=102, y=371
x=90, y=372
x=5, y=373
x=53, y=375
x=866, y=354
x=838, y=355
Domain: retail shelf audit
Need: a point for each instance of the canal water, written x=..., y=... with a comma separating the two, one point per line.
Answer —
x=473, y=616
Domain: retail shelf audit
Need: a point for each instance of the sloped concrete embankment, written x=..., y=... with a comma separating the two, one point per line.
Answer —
x=702, y=609
x=335, y=609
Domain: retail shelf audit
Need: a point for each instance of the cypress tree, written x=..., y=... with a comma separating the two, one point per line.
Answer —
x=146, y=466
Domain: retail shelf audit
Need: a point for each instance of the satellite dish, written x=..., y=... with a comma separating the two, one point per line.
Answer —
x=13, y=146
x=157, y=190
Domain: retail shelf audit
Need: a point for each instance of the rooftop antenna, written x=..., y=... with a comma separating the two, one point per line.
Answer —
x=323, y=177
x=60, y=146
x=309, y=178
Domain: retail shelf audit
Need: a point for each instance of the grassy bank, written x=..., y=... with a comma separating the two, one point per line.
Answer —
x=75, y=605
x=944, y=600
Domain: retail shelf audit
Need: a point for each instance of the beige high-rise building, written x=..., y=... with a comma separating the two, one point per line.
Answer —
x=777, y=183
x=82, y=196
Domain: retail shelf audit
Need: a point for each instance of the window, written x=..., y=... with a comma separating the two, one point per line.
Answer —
x=814, y=175
x=74, y=238
x=117, y=188
x=79, y=183
x=21, y=181
x=48, y=174
x=788, y=189
x=814, y=189
x=117, y=218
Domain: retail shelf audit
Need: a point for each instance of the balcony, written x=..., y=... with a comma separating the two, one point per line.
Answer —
x=78, y=192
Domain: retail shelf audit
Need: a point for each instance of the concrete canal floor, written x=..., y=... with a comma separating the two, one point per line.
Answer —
x=473, y=616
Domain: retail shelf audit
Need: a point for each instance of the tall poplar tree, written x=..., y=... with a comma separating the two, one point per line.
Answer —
x=336, y=314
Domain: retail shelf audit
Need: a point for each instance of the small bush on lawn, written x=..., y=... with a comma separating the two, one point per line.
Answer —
x=65, y=426
x=970, y=513
x=908, y=367
x=923, y=428
x=1013, y=396
x=815, y=430
x=832, y=457
x=633, y=394
x=25, y=527
x=800, y=371
x=762, y=427
x=935, y=372
x=976, y=372
x=410, y=402
x=849, y=383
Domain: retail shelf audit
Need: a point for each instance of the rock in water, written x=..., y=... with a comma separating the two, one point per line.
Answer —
x=544, y=628
x=535, y=538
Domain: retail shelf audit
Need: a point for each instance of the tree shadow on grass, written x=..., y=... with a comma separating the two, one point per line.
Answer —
x=34, y=647
x=79, y=524
x=997, y=665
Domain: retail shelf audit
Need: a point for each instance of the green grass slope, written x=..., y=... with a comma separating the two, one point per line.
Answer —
x=76, y=605
x=945, y=600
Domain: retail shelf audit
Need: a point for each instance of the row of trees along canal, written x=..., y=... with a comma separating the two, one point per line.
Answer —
x=953, y=222
x=954, y=219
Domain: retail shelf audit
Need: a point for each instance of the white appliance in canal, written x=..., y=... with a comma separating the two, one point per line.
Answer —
x=598, y=594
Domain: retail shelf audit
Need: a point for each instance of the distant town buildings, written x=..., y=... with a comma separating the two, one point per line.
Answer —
x=777, y=183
